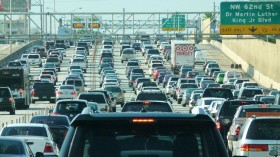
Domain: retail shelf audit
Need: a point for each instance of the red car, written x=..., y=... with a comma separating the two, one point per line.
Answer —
x=157, y=71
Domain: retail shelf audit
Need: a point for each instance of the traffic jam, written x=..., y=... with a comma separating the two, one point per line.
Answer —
x=139, y=96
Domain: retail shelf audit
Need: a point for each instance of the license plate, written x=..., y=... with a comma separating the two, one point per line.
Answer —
x=44, y=97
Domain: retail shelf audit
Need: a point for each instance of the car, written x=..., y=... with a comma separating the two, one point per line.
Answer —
x=220, y=78
x=217, y=92
x=55, y=61
x=7, y=101
x=118, y=94
x=269, y=99
x=15, y=146
x=186, y=94
x=142, y=134
x=247, y=111
x=38, y=136
x=226, y=113
x=97, y=97
x=58, y=124
x=232, y=74
x=66, y=92
x=152, y=95
x=34, y=60
x=257, y=137
x=136, y=46
x=205, y=102
x=249, y=93
x=127, y=53
x=147, y=106
x=124, y=46
x=77, y=82
x=69, y=107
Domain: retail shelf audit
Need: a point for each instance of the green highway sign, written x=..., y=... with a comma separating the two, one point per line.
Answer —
x=174, y=23
x=250, y=18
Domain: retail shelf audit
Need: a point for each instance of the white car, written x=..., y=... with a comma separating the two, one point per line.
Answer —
x=168, y=87
x=66, y=92
x=62, y=51
x=34, y=60
x=37, y=134
x=127, y=54
x=205, y=102
x=258, y=137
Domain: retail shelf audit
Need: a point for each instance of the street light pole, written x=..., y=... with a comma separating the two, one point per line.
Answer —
x=11, y=27
x=54, y=17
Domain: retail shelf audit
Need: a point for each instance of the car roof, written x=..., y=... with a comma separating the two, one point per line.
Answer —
x=26, y=125
x=259, y=106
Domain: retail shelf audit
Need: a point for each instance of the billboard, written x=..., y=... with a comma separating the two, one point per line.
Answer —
x=86, y=22
x=17, y=5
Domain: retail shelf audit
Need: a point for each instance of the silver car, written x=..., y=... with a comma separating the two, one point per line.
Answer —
x=66, y=92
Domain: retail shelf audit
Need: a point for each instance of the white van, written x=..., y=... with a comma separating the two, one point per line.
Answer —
x=232, y=74
x=199, y=57
x=127, y=53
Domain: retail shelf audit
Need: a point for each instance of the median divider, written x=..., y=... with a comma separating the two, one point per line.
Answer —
x=26, y=117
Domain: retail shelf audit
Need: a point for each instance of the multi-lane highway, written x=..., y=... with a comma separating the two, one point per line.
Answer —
x=92, y=79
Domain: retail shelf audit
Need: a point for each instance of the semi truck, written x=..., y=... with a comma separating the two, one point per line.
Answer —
x=18, y=81
x=182, y=53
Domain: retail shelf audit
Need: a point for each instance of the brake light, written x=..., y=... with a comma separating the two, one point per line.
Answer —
x=106, y=108
x=59, y=92
x=143, y=120
x=20, y=91
x=64, y=133
x=254, y=147
x=131, y=81
x=48, y=148
x=74, y=92
x=55, y=113
x=218, y=125
x=11, y=100
x=237, y=130
x=146, y=102
x=33, y=93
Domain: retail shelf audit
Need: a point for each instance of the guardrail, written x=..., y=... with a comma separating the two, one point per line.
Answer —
x=18, y=53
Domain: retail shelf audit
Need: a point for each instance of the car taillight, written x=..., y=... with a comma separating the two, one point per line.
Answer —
x=11, y=100
x=218, y=125
x=237, y=130
x=74, y=92
x=106, y=108
x=20, y=91
x=48, y=148
x=143, y=120
x=33, y=93
x=58, y=92
x=254, y=147
x=65, y=133
x=179, y=91
x=55, y=113
x=131, y=81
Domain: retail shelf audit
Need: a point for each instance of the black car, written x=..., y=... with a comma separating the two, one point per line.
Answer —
x=58, y=124
x=7, y=101
x=69, y=107
x=226, y=113
x=142, y=135
x=217, y=92
x=136, y=46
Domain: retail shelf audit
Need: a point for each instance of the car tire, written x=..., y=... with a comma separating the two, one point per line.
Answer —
x=58, y=69
x=13, y=111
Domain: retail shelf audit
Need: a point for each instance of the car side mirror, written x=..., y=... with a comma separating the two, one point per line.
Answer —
x=132, y=99
x=50, y=111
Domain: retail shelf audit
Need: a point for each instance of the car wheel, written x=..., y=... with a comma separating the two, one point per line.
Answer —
x=58, y=69
x=12, y=111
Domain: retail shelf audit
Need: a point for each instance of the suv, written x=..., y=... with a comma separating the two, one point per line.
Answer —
x=60, y=44
x=34, y=59
x=246, y=111
x=43, y=91
x=151, y=95
x=97, y=97
x=258, y=137
x=139, y=134
x=7, y=101
x=249, y=93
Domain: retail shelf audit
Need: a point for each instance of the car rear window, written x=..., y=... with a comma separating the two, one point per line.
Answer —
x=128, y=52
x=52, y=59
x=149, y=106
x=33, y=56
x=254, y=111
x=4, y=92
x=144, y=140
x=98, y=98
x=188, y=85
x=264, y=129
x=66, y=87
x=113, y=89
x=25, y=131
x=50, y=120
x=74, y=82
x=132, y=64
x=107, y=55
x=70, y=107
x=151, y=96
x=11, y=64
x=217, y=92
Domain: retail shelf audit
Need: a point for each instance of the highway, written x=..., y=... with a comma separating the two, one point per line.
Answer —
x=92, y=80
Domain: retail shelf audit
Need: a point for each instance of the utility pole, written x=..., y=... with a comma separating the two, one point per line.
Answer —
x=11, y=27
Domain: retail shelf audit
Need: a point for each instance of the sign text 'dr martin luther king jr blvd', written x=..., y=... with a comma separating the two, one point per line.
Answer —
x=248, y=18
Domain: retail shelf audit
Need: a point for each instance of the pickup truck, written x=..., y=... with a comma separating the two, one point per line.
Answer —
x=80, y=62
x=37, y=136
x=43, y=91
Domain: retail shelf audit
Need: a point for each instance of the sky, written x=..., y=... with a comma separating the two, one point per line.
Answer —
x=129, y=5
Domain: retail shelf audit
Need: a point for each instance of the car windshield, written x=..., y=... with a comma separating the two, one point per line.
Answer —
x=70, y=107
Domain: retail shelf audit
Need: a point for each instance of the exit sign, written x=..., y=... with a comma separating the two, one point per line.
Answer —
x=248, y=18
